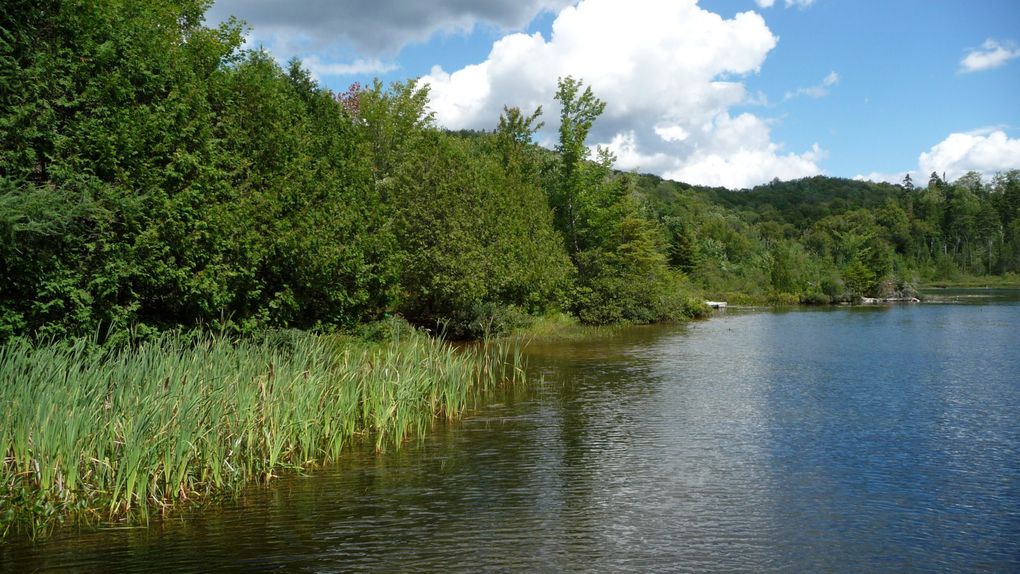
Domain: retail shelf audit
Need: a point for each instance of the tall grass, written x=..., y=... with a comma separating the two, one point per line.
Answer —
x=92, y=434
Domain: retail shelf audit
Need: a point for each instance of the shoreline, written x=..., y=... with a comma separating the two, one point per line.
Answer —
x=96, y=437
x=36, y=509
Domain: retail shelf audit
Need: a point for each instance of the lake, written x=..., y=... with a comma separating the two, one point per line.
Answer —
x=877, y=439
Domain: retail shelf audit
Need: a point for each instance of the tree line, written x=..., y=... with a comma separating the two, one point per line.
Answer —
x=155, y=175
x=823, y=239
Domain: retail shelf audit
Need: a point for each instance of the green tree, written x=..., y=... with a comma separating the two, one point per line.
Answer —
x=113, y=116
x=578, y=111
x=514, y=143
x=394, y=119
x=182, y=181
x=620, y=255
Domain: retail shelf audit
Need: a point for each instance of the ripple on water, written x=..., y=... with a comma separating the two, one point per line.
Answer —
x=883, y=440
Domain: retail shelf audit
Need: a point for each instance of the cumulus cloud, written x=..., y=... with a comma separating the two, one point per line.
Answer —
x=743, y=155
x=670, y=73
x=374, y=28
x=764, y=3
x=985, y=151
x=991, y=54
x=738, y=154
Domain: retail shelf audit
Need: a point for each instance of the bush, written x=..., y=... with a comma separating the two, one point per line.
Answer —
x=815, y=298
x=780, y=298
x=486, y=320
x=390, y=328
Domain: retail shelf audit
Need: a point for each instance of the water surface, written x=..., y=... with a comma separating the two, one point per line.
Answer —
x=877, y=439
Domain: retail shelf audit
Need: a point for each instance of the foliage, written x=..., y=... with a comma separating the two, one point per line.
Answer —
x=154, y=175
x=826, y=239
x=619, y=254
x=474, y=238
x=94, y=435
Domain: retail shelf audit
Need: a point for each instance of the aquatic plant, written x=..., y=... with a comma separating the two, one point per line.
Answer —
x=94, y=434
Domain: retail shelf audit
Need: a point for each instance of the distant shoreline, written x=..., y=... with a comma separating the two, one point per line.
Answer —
x=985, y=282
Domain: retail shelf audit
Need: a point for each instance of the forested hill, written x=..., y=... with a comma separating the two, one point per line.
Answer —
x=824, y=239
x=804, y=201
x=799, y=202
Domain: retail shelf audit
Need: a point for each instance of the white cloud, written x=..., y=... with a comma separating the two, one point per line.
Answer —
x=819, y=91
x=743, y=155
x=992, y=54
x=318, y=68
x=985, y=151
x=376, y=27
x=765, y=3
x=886, y=177
x=670, y=72
x=672, y=133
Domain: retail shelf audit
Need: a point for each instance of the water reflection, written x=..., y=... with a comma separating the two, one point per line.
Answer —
x=845, y=440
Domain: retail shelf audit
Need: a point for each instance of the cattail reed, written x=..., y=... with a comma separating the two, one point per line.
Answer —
x=94, y=434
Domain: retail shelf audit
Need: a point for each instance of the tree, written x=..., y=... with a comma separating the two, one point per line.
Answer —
x=578, y=112
x=620, y=255
x=113, y=114
x=190, y=183
x=514, y=142
x=908, y=183
x=394, y=121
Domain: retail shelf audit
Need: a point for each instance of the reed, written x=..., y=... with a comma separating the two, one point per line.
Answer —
x=92, y=434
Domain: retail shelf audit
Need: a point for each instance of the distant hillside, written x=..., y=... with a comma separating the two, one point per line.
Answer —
x=799, y=202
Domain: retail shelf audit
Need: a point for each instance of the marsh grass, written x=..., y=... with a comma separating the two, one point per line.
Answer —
x=1007, y=280
x=562, y=327
x=94, y=435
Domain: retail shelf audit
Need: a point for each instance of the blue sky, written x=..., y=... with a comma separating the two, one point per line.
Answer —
x=716, y=92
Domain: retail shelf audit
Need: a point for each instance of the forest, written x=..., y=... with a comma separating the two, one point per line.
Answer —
x=154, y=175
x=826, y=240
